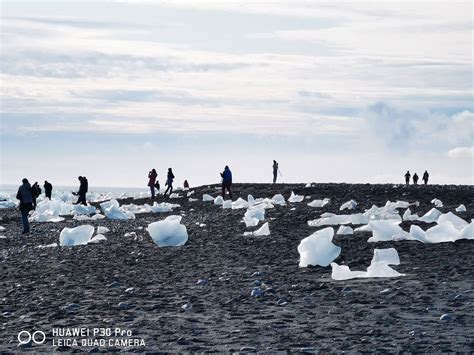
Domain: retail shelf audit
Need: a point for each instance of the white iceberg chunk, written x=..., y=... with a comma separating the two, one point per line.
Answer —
x=386, y=231
x=278, y=200
x=345, y=230
x=175, y=195
x=76, y=236
x=227, y=204
x=253, y=216
x=97, y=239
x=295, y=198
x=318, y=249
x=240, y=203
x=250, y=199
x=407, y=216
x=388, y=256
x=334, y=219
x=438, y=203
x=319, y=203
x=219, y=200
x=83, y=217
x=102, y=230
x=113, y=211
x=364, y=228
x=456, y=221
x=169, y=232
x=207, y=198
x=262, y=231
x=431, y=216
x=461, y=208
x=348, y=205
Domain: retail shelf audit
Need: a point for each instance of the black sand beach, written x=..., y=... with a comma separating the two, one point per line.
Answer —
x=132, y=284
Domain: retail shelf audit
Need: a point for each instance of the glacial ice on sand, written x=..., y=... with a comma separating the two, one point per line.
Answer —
x=168, y=232
x=319, y=203
x=295, y=198
x=407, y=216
x=102, y=230
x=278, y=199
x=386, y=231
x=207, y=198
x=113, y=211
x=348, y=205
x=240, y=203
x=219, y=200
x=227, y=204
x=438, y=203
x=379, y=266
x=318, y=249
x=97, y=239
x=262, y=231
x=431, y=216
x=461, y=208
x=345, y=230
x=253, y=215
x=76, y=236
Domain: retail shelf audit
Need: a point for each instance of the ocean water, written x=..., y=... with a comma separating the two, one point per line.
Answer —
x=11, y=190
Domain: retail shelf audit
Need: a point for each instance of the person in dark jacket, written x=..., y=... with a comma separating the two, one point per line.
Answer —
x=226, y=181
x=186, y=184
x=275, y=171
x=48, y=189
x=415, y=179
x=82, y=190
x=426, y=176
x=407, y=177
x=25, y=195
x=152, y=175
x=169, y=181
x=36, y=192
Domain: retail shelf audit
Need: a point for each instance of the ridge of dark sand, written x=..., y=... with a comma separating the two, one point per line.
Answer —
x=37, y=285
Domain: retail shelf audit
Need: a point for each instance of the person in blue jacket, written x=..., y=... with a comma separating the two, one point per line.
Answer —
x=25, y=195
x=226, y=181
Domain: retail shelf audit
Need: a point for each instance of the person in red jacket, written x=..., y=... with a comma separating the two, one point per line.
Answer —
x=152, y=175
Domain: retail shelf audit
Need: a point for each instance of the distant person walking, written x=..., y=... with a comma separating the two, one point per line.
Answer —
x=48, y=189
x=226, y=181
x=186, y=184
x=36, y=192
x=169, y=181
x=152, y=175
x=25, y=195
x=426, y=176
x=407, y=177
x=415, y=179
x=83, y=187
x=275, y=171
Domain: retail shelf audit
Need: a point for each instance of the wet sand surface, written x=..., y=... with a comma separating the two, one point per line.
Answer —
x=132, y=284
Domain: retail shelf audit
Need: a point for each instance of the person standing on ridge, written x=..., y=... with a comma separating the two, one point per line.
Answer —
x=186, y=184
x=169, y=181
x=25, y=195
x=426, y=176
x=275, y=171
x=407, y=177
x=48, y=188
x=415, y=179
x=82, y=191
x=36, y=192
x=152, y=175
x=226, y=181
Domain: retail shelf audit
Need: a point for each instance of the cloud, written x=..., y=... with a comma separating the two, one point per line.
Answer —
x=461, y=152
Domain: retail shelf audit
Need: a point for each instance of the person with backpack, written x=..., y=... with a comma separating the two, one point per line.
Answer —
x=226, y=181
x=36, y=192
x=407, y=177
x=415, y=179
x=83, y=187
x=426, y=176
x=152, y=175
x=169, y=181
x=25, y=195
x=275, y=171
x=48, y=189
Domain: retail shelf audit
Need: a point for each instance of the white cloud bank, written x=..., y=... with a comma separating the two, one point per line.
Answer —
x=461, y=152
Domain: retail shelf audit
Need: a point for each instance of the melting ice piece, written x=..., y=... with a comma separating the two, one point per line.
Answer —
x=175, y=195
x=387, y=230
x=207, y=198
x=253, y=216
x=240, y=203
x=430, y=216
x=450, y=217
x=437, y=203
x=250, y=199
x=97, y=239
x=190, y=193
x=169, y=232
x=102, y=230
x=262, y=231
x=319, y=203
x=379, y=266
x=227, y=204
x=345, y=230
x=461, y=208
x=76, y=236
x=192, y=199
x=112, y=210
x=364, y=228
x=219, y=200
x=83, y=217
x=295, y=198
x=318, y=249
x=349, y=205
x=278, y=200
x=334, y=219
x=407, y=216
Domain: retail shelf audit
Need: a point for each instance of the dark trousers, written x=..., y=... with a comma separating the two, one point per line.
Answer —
x=226, y=186
x=48, y=194
x=170, y=187
x=274, y=177
x=24, y=221
x=82, y=199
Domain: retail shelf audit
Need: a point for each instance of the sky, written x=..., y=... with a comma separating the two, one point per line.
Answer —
x=334, y=91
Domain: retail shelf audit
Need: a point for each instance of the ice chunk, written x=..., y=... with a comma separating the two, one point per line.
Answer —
x=318, y=249
x=461, y=208
x=190, y=193
x=416, y=233
x=81, y=209
x=450, y=217
x=295, y=198
x=175, y=195
x=207, y=198
x=278, y=200
x=192, y=199
x=163, y=207
x=250, y=199
x=345, y=230
x=379, y=267
x=468, y=231
x=386, y=230
x=227, y=204
x=407, y=216
x=262, y=231
x=102, y=230
x=97, y=239
x=319, y=203
x=240, y=203
x=169, y=232
x=348, y=205
x=253, y=216
x=76, y=236
x=219, y=200
x=438, y=203
x=365, y=228
x=430, y=216
x=83, y=217
x=113, y=211
x=52, y=245
x=334, y=219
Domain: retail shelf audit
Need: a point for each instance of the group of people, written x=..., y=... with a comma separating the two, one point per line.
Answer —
x=153, y=182
x=426, y=176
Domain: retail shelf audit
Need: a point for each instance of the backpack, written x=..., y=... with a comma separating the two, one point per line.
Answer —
x=157, y=185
